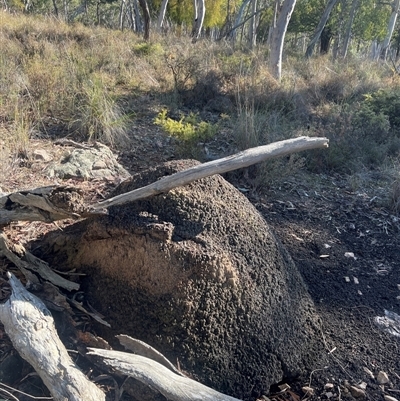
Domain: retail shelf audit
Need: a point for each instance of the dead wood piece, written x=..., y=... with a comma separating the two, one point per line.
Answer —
x=158, y=377
x=25, y=260
x=46, y=204
x=141, y=348
x=30, y=326
x=219, y=166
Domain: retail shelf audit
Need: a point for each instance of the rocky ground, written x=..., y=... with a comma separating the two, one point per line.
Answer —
x=340, y=233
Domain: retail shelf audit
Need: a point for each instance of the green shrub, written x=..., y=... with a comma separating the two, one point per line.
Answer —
x=386, y=102
x=188, y=130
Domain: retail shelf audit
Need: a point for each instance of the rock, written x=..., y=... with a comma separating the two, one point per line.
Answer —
x=382, y=377
x=329, y=386
x=197, y=274
x=357, y=392
x=96, y=162
x=329, y=394
x=389, y=398
x=308, y=390
x=362, y=385
x=368, y=372
x=41, y=154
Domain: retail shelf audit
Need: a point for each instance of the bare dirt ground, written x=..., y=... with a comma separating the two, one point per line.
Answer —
x=341, y=235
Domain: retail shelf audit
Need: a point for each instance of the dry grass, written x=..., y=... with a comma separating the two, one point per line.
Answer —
x=80, y=81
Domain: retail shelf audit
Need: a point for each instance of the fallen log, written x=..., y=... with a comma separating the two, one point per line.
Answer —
x=24, y=260
x=239, y=160
x=31, y=329
x=171, y=385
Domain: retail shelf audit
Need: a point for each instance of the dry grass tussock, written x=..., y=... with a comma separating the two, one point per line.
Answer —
x=59, y=79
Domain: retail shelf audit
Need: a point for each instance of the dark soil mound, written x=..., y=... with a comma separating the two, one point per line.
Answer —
x=198, y=274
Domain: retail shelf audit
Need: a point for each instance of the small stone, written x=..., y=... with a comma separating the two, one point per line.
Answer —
x=41, y=154
x=308, y=390
x=347, y=279
x=382, y=377
x=368, y=372
x=329, y=386
x=362, y=385
x=389, y=398
x=329, y=394
x=357, y=392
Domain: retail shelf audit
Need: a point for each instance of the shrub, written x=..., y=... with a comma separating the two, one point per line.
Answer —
x=188, y=130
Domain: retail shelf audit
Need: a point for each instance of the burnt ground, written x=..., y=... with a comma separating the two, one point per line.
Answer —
x=345, y=241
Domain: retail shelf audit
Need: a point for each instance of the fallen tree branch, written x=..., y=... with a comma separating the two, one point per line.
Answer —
x=158, y=377
x=24, y=260
x=219, y=166
x=30, y=326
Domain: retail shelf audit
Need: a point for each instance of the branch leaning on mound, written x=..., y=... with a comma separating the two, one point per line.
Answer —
x=239, y=160
x=43, y=204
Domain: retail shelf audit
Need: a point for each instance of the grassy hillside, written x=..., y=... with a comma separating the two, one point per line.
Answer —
x=59, y=80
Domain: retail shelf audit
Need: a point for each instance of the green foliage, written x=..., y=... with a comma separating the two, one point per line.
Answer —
x=385, y=103
x=189, y=131
x=147, y=49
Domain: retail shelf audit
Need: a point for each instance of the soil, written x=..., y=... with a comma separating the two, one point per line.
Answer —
x=344, y=240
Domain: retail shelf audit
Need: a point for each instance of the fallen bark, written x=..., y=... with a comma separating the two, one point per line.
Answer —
x=24, y=260
x=157, y=376
x=46, y=204
x=219, y=166
x=30, y=326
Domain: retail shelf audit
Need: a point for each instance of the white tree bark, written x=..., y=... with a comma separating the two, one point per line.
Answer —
x=219, y=166
x=30, y=326
x=320, y=27
x=278, y=38
x=161, y=15
x=253, y=25
x=172, y=386
x=200, y=12
x=391, y=25
x=347, y=38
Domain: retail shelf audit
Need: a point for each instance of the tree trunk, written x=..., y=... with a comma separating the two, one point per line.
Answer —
x=146, y=18
x=320, y=27
x=278, y=38
x=121, y=15
x=391, y=25
x=253, y=24
x=200, y=11
x=161, y=15
x=326, y=37
x=347, y=38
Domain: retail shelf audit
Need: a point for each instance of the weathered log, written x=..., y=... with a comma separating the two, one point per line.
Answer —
x=219, y=166
x=24, y=260
x=172, y=386
x=30, y=326
x=46, y=204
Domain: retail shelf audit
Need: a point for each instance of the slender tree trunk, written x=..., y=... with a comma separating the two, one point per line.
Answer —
x=238, y=20
x=253, y=24
x=121, y=15
x=161, y=15
x=55, y=8
x=146, y=18
x=278, y=38
x=391, y=25
x=200, y=11
x=320, y=27
x=347, y=37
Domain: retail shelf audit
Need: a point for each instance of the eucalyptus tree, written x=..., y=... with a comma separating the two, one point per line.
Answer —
x=278, y=37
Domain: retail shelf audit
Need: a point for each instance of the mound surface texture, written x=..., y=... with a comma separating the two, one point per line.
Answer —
x=198, y=274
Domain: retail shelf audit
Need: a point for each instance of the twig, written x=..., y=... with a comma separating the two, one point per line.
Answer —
x=23, y=393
